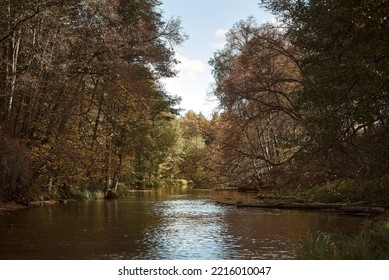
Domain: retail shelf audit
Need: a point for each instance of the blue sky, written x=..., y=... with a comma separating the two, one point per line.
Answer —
x=205, y=22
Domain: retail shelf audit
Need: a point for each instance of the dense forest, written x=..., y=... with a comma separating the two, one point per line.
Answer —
x=81, y=101
x=303, y=101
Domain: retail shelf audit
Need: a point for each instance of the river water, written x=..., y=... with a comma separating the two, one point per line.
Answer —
x=163, y=224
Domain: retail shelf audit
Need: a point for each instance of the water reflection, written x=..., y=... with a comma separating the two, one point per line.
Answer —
x=190, y=229
x=171, y=224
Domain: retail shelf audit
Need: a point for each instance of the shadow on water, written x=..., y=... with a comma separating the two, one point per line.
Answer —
x=162, y=224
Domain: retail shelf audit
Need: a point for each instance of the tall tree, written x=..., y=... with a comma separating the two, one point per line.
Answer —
x=257, y=76
x=345, y=97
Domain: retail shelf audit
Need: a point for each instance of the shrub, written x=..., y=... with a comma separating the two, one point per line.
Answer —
x=376, y=190
x=92, y=191
x=122, y=191
x=14, y=168
x=337, y=191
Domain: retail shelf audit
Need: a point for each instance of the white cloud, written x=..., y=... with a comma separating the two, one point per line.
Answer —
x=220, y=33
x=219, y=38
x=189, y=67
x=192, y=84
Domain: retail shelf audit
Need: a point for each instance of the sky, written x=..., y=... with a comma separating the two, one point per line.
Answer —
x=205, y=22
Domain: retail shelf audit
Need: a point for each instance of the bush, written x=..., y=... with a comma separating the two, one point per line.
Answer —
x=373, y=190
x=122, y=191
x=337, y=191
x=14, y=168
x=92, y=191
x=376, y=190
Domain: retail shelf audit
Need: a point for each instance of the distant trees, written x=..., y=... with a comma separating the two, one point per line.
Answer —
x=80, y=86
x=199, y=153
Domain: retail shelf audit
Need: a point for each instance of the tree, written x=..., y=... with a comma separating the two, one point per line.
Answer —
x=257, y=76
x=344, y=98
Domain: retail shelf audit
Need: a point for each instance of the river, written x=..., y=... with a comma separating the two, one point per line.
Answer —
x=163, y=224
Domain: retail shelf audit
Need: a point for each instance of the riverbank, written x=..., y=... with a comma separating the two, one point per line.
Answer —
x=357, y=209
x=345, y=196
x=8, y=206
x=372, y=243
x=94, y=192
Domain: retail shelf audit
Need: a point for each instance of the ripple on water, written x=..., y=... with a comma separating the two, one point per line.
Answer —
x=153, y=225
x=191, y=229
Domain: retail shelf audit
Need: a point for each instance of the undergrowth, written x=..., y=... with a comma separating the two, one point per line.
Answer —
x=370, y=244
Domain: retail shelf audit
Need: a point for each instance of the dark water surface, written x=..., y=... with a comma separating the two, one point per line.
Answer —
x=163, y=224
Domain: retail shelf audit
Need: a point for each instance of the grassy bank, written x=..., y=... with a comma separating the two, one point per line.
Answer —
x=373, y=191
x=338, y=191
x=370, y=244
x=96, y=191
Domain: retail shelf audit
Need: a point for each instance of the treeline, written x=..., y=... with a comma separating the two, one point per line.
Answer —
x=81, y=102
x=305, y=100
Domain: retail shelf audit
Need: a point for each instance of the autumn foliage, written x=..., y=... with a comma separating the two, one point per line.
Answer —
x=80, y=90
x=305, y=100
